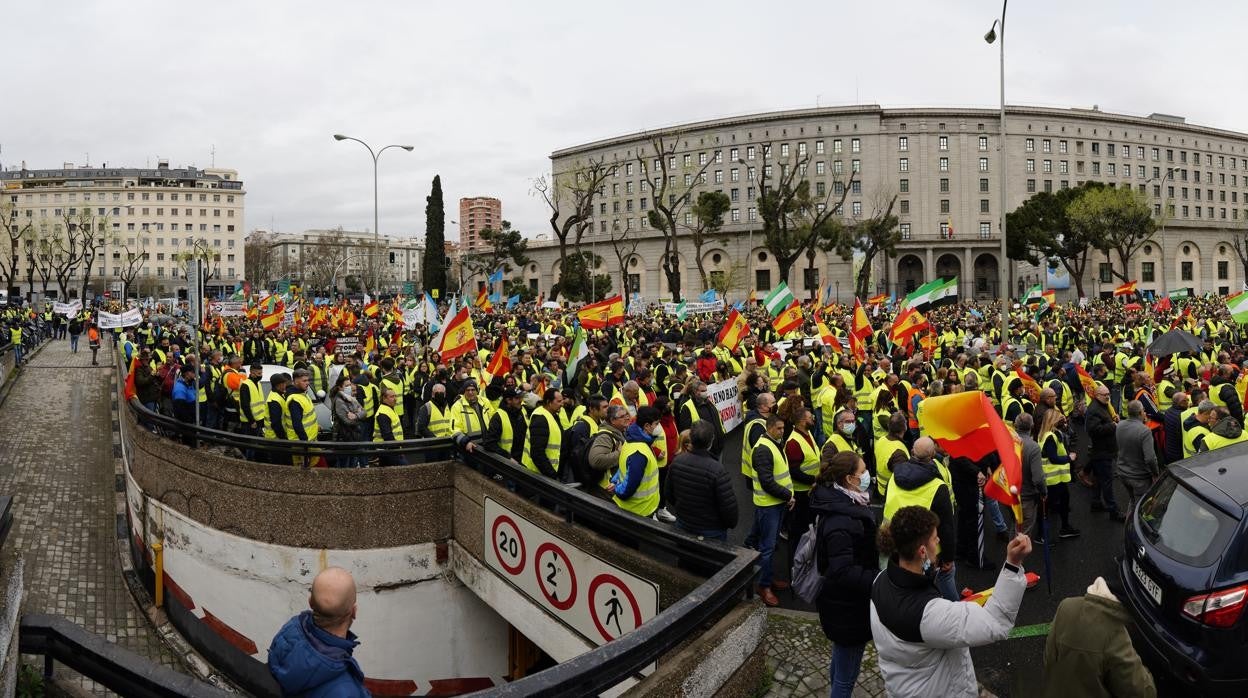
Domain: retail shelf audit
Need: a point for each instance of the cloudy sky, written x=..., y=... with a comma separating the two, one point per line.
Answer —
x=486, y=90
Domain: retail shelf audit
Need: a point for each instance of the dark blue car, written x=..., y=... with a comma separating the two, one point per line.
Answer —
x=1185, y=572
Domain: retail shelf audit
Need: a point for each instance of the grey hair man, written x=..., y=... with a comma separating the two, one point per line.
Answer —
x=1034, y=489
x=1136, y=464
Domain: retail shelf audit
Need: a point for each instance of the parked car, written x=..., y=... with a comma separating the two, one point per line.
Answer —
x=320, y=401
x=1185, y=572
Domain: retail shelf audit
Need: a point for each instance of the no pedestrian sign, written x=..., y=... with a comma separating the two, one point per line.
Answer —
x=596, y=599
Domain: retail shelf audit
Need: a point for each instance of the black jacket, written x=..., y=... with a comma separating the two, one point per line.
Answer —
x=911, y=475
x=847, y=559
x=699, y=492
x=1173, y=419
x=1101, y=428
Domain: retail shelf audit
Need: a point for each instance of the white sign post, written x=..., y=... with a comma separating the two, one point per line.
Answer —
x=596, y=599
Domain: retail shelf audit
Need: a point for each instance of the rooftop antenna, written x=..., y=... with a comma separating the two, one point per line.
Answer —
x=214, y=155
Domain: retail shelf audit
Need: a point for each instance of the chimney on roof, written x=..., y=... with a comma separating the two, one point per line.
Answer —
x=67, y=165
x=162, y=164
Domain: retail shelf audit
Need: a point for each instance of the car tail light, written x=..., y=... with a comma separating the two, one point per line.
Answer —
x=1220, y=609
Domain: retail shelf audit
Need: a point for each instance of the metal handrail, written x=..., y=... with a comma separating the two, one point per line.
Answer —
x=107, y=663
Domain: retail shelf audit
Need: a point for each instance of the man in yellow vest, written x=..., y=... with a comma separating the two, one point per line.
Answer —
x=434, y=418
x=773, y=494
x=15, y=341
x=507, y=428
x=755, y=427
x=635, y=487
x=890, y=451
x=470, y=414
x=1226, y=431
x=300, y=423
x=922, y=481
x=802, y=452
x=389, y=427
x=1196, y=428
x=543, y=444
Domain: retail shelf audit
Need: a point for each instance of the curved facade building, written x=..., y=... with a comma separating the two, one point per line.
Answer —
x=942, y=164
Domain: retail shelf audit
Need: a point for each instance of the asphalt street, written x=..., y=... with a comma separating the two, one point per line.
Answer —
x=1014, y=667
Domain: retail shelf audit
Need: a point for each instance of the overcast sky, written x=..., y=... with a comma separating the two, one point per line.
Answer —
x=486, y=90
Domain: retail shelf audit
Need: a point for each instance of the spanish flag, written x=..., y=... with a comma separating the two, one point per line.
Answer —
x=789, y=319
x=1029, y=384
x=270, y=319
x=966, y=425
x=908, y=322
x=1125, y=289
x=826, y=335
x=603, y=313
x=131, y=391
x=370, y=344
x=457, y=337
x=500, y=360
x=371, y=308
x=877, y=300
x=860, y=326
x=857, y=347
x=1086, y=380
x=483, y=301
x=1050, y=297
x=734, y=329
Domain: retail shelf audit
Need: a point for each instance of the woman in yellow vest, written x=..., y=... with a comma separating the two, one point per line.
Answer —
x=635, y=486
x=802, y=453
x=1057, y=464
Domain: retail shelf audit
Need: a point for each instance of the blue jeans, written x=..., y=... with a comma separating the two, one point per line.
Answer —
x=843, y=671
x=994, y=511
x=73, y=342
x=762, y=538
x=946, y=583
x=17, y=355
x=707, y=533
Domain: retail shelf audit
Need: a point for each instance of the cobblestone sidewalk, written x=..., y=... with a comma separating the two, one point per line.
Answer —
x=57, y=462
x=798, y=654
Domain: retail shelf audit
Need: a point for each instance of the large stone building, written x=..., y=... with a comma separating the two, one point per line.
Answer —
x=477, y=213
x=942, y=165
x=148, y=221
x=346, y=259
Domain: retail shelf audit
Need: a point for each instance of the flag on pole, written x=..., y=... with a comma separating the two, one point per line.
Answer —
x=500, y=360
x=735, y=328
x=496, y=277
x=272, y=317
x=1029, y=384
x=681, y=310
x=859, y=326
x=1125, y=289
x=778, y=300
x=371, y=306
x=826, y=335
x=753, y=296
x=1050, y=297
x=577, y=353
x=907, y=323
x=603, y=313
x=877, y=299
x=370, y=344
x=966, y=425
x=857, y=347
x=456, y=337
x=1239, y=308
x=789, y=319
x=709, y=296
x=932, y=294
x=1033, y=295
x=513, y=301
x=1086, y=380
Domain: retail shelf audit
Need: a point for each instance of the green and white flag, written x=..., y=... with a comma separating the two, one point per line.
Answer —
x=779, y=299
x=1239, y=308
x=933, y=293
x=578, y=351
x=681, y=310
x=1178, y=294
x=1034, y=295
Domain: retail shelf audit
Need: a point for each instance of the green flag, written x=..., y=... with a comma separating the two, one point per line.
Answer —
x=681, y=310
x=1239, y=308
x=578, y=351
x=1033, y=295
x=779, y=299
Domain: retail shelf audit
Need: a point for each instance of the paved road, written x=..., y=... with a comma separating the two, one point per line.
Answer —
x=57, y=461
x=1013, y=667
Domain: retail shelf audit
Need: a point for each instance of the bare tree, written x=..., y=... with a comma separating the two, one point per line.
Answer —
x=261, y=263
x=17, y=232
x=323, y=259
x=85, y=234
x=708, y=215
x=670, y=195
x=624, y=244
x=570, y=197
x=134, y=257
x=41, y=253
x=1239, y=241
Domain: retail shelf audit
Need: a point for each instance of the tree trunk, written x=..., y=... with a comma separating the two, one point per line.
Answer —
x=697, y=251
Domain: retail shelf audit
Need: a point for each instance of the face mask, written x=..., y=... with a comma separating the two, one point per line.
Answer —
x=848, y=428
x=657, y=430
x=927, y=566
x=864, y=481
x=439, y=399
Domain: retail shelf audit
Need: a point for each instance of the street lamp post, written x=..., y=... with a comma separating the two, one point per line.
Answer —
x=376, y=229
x=1164, y=214
x=990, y=37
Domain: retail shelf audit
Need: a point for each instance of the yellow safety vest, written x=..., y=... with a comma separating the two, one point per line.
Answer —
x=256, y=395
x=15, y=336
x=371, y=398
x=1054, y=473
x=310, y=426
x=567, y=420
x=1214, y=441
x=645, y=500
x=552, y=444
x=464, y=419
x=1164, y=401
x=398, y=388
x=780, y=471
x=884, y=450
x=747, y=448
x=270, y=428
x=1190, y=436
x=841, y=444
x=923, y=496
x=396, y=425
x=810, y=460
x=865, y=396
x=439, y=421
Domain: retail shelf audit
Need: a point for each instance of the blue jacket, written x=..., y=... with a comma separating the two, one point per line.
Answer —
x=635, y=466
x=183, y=392
x=308, y=661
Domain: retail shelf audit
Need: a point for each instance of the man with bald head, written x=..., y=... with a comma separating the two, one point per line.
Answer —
x=311, y=654
x=923, y=481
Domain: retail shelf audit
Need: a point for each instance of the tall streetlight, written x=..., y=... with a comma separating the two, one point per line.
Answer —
x=1165, y=212
x=376, y=225
x=990, y=37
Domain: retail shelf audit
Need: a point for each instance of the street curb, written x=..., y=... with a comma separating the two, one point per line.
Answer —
x=191, y=659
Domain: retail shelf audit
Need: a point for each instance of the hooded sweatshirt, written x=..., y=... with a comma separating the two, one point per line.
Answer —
x=309, y=661
x=635, y=466
x=912, y=475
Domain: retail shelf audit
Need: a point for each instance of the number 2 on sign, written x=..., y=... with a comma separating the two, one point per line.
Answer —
x=554, y=571
x=508, y=545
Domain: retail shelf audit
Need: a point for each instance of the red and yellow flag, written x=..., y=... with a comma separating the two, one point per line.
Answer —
x=857, y=347
x=908, y=322
x=1125, y=289
x=826, y=335
x=877, y=300
x=457, y=338
x=500, y=360
x=1029, y=384
x=859, y=326
x=1050, y=297
x=272, y=317
x=1086, y=380
x=372, y=308
x=789, y=319
x=967, y=425
x=131, y=391
x=604, y=313
x=735, y=328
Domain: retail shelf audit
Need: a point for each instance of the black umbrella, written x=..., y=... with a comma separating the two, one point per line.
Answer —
x=1174, y=342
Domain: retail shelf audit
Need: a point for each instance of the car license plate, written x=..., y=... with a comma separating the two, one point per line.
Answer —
x=1149, y=585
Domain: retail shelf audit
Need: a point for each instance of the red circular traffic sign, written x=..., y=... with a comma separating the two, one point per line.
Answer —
x=512, y=544
x=543, y=580
x=593, y=607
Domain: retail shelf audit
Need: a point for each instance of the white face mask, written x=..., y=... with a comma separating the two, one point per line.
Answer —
x=657, y=430
x=848, y=428
x=864, y=481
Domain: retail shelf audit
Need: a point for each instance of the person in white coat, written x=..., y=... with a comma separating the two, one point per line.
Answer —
x=923, y=640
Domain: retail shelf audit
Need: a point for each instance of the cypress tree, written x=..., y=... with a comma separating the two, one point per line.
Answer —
x=434, y=264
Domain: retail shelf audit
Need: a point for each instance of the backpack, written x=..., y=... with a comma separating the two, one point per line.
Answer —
x=806, y=580
x=578, y=458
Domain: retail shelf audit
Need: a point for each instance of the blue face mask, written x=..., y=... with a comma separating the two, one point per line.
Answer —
x=927, y=565
x=864, y=481
x=848, y=428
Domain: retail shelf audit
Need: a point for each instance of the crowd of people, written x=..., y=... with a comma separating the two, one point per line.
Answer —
x=825, y=434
